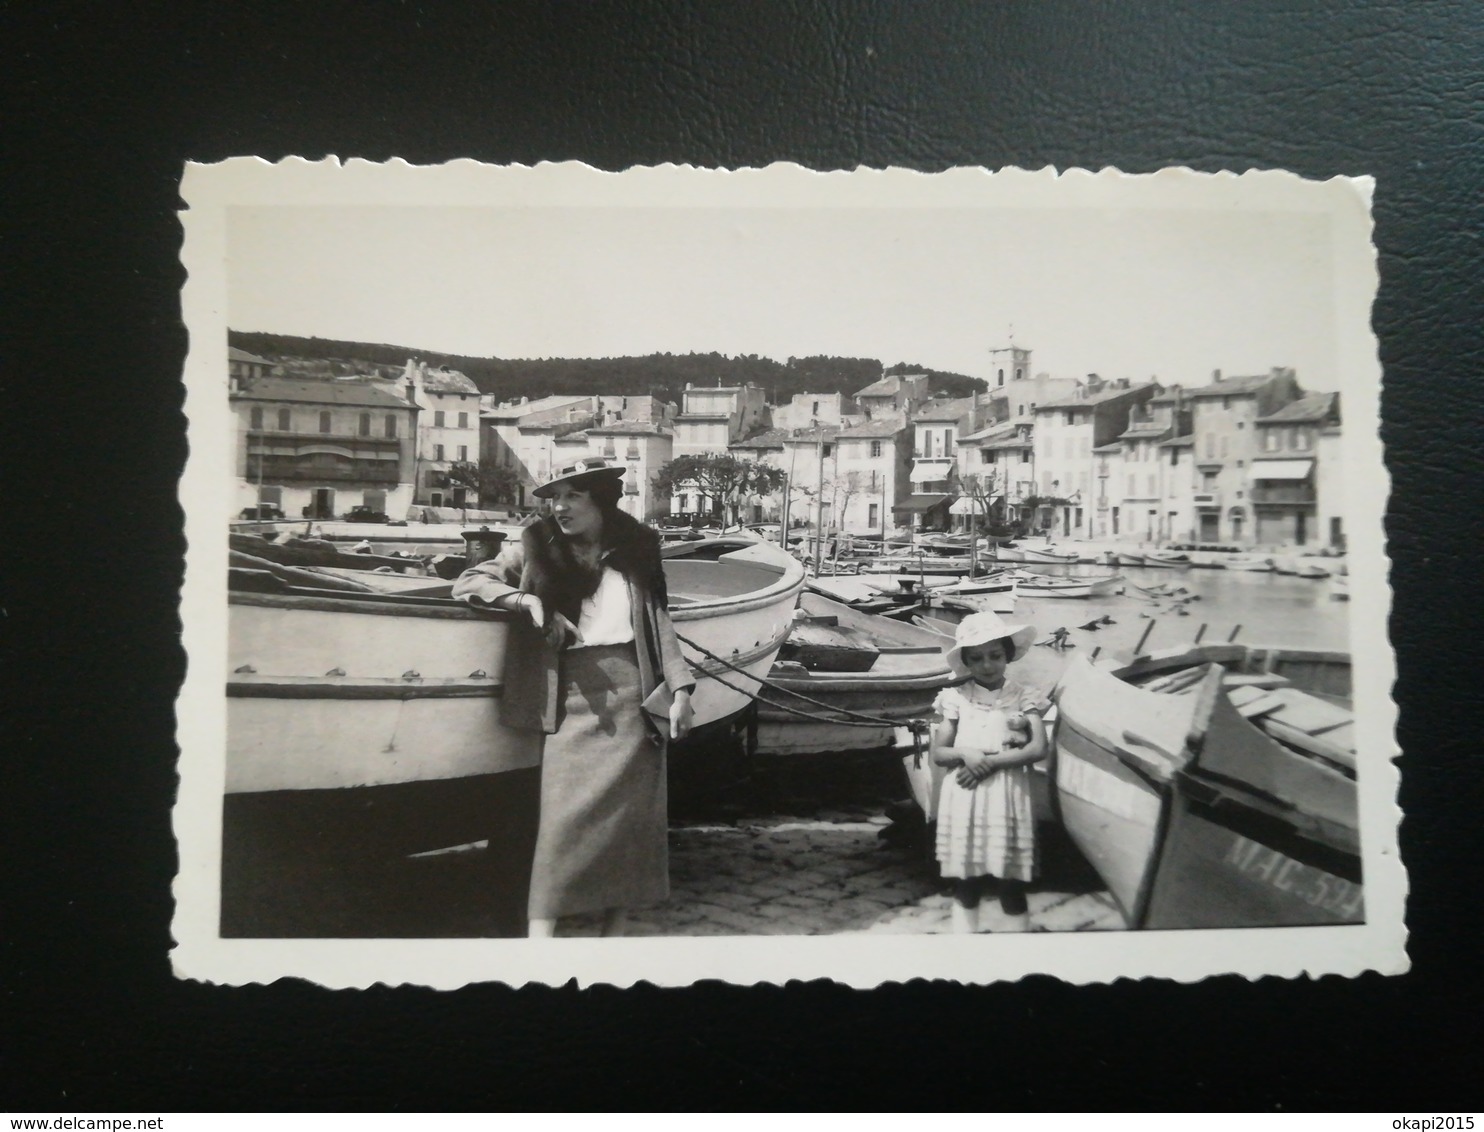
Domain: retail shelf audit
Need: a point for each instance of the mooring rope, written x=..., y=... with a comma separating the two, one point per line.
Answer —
x=917, y=726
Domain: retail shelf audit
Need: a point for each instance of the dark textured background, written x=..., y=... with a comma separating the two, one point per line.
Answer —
x=104, y=105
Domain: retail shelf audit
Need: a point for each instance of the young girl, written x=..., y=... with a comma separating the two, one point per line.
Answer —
x=991, y=732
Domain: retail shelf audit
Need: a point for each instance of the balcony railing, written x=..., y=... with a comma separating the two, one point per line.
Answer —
x=370, y=472
x=1292, y=495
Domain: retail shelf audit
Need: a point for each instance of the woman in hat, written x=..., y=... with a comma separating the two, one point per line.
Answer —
x=991, y=732
x=591, y=650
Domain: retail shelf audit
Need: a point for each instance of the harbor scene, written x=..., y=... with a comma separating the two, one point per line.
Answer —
x=1048, y=635
x=811, y=826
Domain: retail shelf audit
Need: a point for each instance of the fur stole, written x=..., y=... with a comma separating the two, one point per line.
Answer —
x=562, y=583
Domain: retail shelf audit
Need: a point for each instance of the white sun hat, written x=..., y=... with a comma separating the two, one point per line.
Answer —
x=981, y=628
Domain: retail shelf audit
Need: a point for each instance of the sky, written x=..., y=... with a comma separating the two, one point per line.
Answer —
x=1164, y=294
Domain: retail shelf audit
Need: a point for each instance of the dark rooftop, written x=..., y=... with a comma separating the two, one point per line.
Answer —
x=1108, y=392
x=872, y=430
x=1232, y=386
x=773, y=438
x=319, y=393
x=236, y=355
x=1312, y=408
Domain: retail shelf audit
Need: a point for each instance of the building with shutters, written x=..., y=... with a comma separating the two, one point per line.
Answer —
x=315, y=449
x=1224, y=416
x=894, y=395
x=1064, y=438
x=1289, y=470
x=448, y=428
x=521, y=435
x=872, y=461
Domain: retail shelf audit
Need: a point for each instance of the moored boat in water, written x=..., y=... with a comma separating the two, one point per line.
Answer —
x=1046, y=556
x=1166, y=559
x=1214, y=786
x=1253, y=563
x=1041, y=585
x=894, y=676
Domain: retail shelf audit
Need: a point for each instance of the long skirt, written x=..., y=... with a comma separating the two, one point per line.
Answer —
x=988, y=829
x=602, y=840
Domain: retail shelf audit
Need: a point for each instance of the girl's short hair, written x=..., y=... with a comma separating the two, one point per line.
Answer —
x=1009, y=649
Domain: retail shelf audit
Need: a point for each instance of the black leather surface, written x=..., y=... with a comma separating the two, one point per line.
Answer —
x=106, y=102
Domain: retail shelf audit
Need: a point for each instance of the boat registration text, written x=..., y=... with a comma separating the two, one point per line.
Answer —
x=1313, y=886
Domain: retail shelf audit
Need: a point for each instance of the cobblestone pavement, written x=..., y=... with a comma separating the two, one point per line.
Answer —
x=816, y=870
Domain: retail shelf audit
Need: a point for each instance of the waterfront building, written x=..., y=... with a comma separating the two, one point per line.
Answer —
x=872, y=463
x=613, y=408
x=936, y=428
x=893, y=396
x=1020, y=390
x=1287, y=470
x=710, y=419
x=641, y=445
x=1153, y=490
x=813, y=487
x=809, y=410
x=1180, y=477
x=1224, y=417
x=765, y=447
x=245, y=367
x=1329, y=471
x=1065, y=434
x=520, y=435
x=448, y=427
x=996, y=463
x=318, y=448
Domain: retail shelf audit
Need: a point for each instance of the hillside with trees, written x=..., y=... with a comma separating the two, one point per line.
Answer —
x=662, y=375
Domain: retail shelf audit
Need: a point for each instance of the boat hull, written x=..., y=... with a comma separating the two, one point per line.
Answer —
x=1036, y=586
x=1194, y=817
x=1047, y=557
x=909, y=672
x=341, y=691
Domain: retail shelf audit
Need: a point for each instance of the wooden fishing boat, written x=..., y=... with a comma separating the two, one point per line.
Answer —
x=1044, y=555
x=1214, y=786
x=332, y=690
x=895, y=674
x=1039, y=585
x=1128, y=558
x=930, y=565
x=1166, y=560
x=1253, y=563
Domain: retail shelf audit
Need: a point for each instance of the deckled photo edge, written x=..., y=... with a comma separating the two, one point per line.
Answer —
x=1089, y=957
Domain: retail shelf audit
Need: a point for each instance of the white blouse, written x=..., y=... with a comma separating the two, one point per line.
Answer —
x=607, y=618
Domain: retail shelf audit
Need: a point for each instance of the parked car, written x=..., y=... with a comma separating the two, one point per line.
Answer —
x=263, y=511
x=363, y=514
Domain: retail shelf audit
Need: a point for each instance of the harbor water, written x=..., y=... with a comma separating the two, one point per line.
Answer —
x=1278, y=610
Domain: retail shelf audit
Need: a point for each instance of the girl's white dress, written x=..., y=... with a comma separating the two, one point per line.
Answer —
x=988, y=829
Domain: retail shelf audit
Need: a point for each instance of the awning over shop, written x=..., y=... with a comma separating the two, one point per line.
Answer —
x=930, y=471
x=915, y=504
x=968, y=506
x=1281, y=469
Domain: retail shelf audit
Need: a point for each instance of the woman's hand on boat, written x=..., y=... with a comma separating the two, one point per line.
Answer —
x=561, y=633
x=682, y=715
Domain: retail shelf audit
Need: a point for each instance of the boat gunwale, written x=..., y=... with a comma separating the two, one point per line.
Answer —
x=448, y=608
x=251, y=686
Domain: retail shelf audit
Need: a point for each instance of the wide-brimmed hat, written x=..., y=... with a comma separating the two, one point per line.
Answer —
x=587, y=466
x=982, y=628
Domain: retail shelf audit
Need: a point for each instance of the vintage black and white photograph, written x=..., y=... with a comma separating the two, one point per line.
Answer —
x=764, y=574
